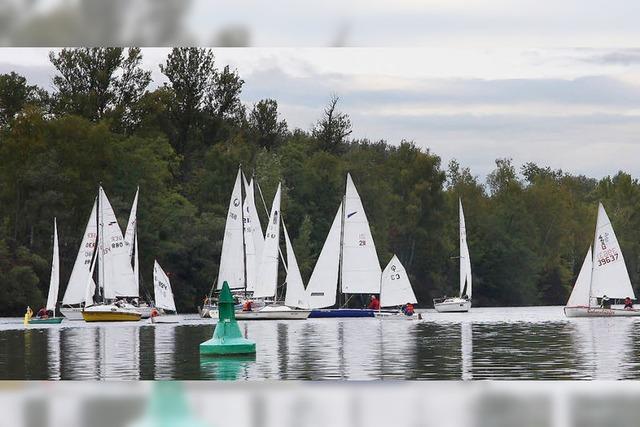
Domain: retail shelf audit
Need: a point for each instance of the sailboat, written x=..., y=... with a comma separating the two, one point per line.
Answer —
x=131, y=242
x=603, y=277
x=348, y=262
x=116, y=281
x=266, y=285
x=395, y=290
x=74, y=296
x=163, y=296
x=54, y=284
x=461, y=303
x=249, y=260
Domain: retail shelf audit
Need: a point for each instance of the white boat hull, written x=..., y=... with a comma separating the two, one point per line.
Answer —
x=72, y=313
x=165, y=319
x=600, y=312
x=273, y=313
x=453, y=305
x=145, y=311
x=396, y=315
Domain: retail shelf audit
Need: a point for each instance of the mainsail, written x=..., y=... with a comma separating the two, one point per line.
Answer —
x=81, y=273
x=162, y=289
x=609, y=272
x=580, y=294
x=395, y=288
x=360, y=266
x=232, y=257
x=267, y=279
x=465, y=260
x=115, y=272
x=253, y=238
x=323, y=284
x=295, y=294
x=131, y=236
x=54, y=283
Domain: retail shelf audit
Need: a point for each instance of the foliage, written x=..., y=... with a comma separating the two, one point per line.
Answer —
x=528, y=228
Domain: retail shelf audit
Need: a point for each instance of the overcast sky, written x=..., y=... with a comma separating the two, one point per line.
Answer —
x=575, y=109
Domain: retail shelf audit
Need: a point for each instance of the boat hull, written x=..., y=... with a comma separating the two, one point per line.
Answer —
x=165, y=319
x=452, y=305
x=273, y=315
x=49, y=321
x=341, y=313
x=396, y=315
x=110, y=313
x=600, y=312
x=72, y=313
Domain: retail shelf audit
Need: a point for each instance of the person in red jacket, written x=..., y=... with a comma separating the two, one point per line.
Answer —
x=375, y=303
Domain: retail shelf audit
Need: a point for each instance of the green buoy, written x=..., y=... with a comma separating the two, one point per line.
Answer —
x=168, y=408
x=227, y=338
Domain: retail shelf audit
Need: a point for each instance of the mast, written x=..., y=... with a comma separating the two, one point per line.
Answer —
x=100, y=259
x=593, y=254
x=244, y=241
x=342, y=220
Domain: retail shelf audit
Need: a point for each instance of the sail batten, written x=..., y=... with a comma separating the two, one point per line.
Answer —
x=232, y=257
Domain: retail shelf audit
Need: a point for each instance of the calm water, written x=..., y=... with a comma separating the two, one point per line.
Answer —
x=490, y=343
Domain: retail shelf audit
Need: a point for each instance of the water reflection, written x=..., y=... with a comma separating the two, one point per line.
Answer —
x=447, y=348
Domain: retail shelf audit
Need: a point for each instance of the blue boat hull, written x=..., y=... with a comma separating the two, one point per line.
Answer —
x=341, y=312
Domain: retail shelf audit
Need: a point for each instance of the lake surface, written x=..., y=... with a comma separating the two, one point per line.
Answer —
x=487, y=343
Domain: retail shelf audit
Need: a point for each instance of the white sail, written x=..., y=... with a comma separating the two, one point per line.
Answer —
x=395, y=288
x=465, y=259
x=360, y=265
x=131, y=236
x=162, y=289
x=267, y=280
x=232, y=257
x=580, y=294
x=75, y=292
x=54, y=283
x=116, y=275
x=295, y=295
x=610, y=276
x=323, y=284
x=253, y=238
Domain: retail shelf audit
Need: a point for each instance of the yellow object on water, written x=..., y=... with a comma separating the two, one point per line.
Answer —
x=28, y=315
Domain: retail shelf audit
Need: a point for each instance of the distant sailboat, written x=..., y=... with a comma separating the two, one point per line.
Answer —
x=115, y=276
x=461, y=303
x=54, y=283
x=348, y=263
x=603, y=277
x=163, y=296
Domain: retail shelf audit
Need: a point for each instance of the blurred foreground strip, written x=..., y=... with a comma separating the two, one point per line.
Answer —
x=298, y=404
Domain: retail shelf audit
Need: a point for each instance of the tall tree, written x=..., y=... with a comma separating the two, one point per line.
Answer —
x=333, y=128
x=264, y=124
x=98, y=82
x=15, y=94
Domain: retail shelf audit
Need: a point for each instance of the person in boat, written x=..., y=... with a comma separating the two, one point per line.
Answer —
x=42, y=313
x=407, y=309
x=247, y=305
x=604, y=302
x=155, y=312
x=628, y=304
x=374, y=304
x=29, y=312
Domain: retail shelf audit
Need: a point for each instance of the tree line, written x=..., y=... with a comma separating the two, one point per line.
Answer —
x=529, y=227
